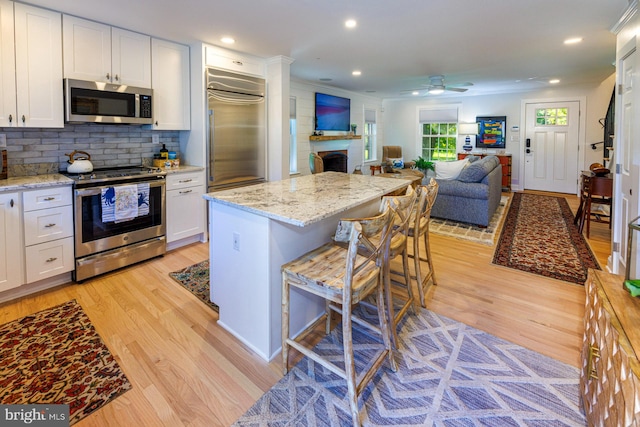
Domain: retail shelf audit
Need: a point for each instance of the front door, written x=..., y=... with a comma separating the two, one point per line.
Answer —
x=551, y=146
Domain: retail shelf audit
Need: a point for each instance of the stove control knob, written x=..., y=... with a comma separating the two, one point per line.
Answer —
x=93, y=176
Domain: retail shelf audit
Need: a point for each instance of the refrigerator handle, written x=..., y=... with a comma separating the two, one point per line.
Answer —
x=210, y=147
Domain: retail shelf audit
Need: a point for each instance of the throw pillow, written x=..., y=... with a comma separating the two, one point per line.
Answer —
x=450, y=170
x=477, y=171
x=396, y=163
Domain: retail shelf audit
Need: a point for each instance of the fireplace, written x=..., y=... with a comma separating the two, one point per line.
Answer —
x=335, y=160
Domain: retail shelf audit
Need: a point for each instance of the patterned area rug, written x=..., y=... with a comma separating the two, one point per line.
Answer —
x=472, y=232
x=56, y=356
x=196, y=279
x=449, y=374
x=539, y=237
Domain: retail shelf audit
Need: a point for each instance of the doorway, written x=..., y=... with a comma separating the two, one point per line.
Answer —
x=551, y=146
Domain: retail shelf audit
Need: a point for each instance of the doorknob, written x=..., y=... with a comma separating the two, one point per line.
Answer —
x=528, y=151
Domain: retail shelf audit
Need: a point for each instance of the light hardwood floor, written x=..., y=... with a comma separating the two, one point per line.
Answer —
x=187, y=371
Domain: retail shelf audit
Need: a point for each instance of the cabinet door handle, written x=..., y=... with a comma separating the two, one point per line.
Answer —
x=24, y=119
x=11, y=203
x=51, y=259
x=116, y=77
x=108, y=76
x=186, y=192
x=185, y=180
x=48, y=199
x=49, y=225
x=10, y=118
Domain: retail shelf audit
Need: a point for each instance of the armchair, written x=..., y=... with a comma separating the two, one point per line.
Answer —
x=393, y=152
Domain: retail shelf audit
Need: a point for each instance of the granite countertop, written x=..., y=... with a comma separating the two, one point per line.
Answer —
x=308, y=199
x=183, y=169
x=19, y=183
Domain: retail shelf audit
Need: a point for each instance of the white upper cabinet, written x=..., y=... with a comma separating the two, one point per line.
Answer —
x=170, y=84
x=38, y=56
x=7, y=66
x=98, y=52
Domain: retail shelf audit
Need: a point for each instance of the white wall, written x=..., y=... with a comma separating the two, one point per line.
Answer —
x=401, y=122
x=304, y=93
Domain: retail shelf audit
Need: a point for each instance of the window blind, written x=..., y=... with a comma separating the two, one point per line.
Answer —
x=369, y=116
x=444, y=115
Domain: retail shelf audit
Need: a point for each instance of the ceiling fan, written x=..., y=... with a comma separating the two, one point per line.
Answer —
x=437, y=86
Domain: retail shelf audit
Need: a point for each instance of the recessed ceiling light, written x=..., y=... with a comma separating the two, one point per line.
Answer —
x=350, y=23
x=356, y=73
x=227, y=40
x=573, y=40
x=415, y=93
x=554, y=81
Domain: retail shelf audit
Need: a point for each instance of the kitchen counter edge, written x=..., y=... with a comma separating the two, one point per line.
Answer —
x=19, y=183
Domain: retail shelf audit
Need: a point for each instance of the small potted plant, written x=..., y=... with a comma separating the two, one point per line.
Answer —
x=424, y=165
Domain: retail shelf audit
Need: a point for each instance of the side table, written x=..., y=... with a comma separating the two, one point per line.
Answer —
x=375, y=168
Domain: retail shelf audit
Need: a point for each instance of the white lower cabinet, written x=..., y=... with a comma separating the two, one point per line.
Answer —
x=186, y=209
x=11, y=255
x=48, y=233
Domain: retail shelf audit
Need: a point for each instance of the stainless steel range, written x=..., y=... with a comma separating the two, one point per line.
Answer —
x=119, y=217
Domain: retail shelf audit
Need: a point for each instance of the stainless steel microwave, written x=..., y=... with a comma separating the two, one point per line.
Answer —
x=98, y=102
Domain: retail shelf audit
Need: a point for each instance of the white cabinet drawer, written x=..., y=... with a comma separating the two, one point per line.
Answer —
x=47, y=198
x=49, y=259
x=183, y=180
x=48, y=224
x=233, y=61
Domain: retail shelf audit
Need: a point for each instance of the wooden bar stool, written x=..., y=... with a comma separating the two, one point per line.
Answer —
x=404, y=206
x=343, y=277
x=419, y=230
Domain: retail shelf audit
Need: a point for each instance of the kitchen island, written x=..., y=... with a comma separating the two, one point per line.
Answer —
x=254, y=230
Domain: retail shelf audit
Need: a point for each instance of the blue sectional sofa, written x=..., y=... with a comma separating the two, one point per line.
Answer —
x=473, y=196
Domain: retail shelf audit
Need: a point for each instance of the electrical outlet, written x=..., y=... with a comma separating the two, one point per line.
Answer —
x=236, y=241
x=155, y=139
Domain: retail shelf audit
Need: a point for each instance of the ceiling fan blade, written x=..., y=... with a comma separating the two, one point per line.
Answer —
x=455, y=89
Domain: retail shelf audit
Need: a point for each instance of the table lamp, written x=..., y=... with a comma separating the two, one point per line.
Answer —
x=468, y=129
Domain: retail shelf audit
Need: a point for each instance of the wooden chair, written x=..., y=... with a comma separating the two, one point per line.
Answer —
x=419, y=230
x=344, y=277
x=404, y=206
x=595, y=192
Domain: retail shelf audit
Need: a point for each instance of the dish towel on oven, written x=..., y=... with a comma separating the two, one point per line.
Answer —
x=134, y=201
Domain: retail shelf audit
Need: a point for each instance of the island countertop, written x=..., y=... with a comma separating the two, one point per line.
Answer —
x=307, y=199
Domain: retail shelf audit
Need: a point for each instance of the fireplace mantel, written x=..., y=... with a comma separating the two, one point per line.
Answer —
x=332, y=137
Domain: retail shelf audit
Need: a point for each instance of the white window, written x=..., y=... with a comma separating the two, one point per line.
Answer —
x=293, y=144
x=439, y=133
x=369, y=135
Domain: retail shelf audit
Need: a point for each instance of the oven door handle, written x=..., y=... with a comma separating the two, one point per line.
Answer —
x=94, y=191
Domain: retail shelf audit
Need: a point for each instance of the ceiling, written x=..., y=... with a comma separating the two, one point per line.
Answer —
x=500, y=46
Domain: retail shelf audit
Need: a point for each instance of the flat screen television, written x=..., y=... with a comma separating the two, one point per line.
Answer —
x=332, y=112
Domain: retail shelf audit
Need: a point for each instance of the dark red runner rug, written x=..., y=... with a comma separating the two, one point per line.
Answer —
x=56, y=356
x=539, y=237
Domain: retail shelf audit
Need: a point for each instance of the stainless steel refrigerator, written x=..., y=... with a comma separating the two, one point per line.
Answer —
x=236, y=138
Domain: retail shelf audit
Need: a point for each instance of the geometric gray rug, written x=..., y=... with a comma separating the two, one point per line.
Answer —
x=449, y=374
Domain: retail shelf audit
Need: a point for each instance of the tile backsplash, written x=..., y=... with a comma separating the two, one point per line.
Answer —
x=42, y=151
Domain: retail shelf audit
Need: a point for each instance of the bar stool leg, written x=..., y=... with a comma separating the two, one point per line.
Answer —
x=285, y=324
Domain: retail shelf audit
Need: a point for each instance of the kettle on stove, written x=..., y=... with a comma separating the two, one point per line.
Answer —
x=81, y=164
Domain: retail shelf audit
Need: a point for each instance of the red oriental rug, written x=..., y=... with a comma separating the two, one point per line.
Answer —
x=56, y=356
x=539, y=237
